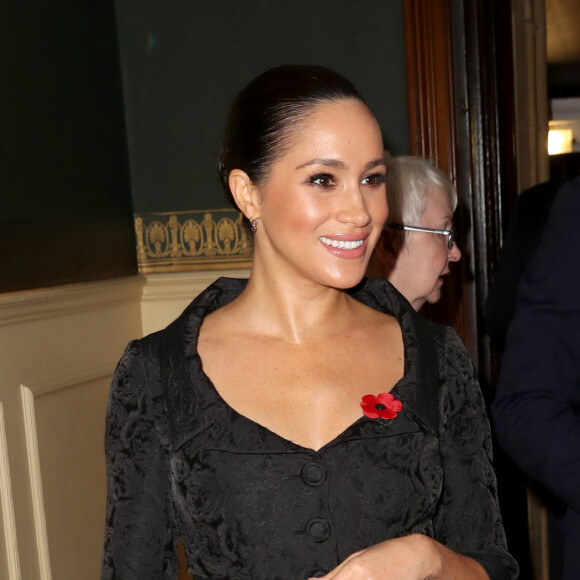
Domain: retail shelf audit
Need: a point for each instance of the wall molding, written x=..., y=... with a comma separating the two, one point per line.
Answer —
x=74, y=377
x=175, y=286
x=192, y=240
x=7, y=505
x=26, y=305
x=33, y=457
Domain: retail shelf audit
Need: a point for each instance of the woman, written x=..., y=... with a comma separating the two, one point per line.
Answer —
x=418, y=244
x=288, y=426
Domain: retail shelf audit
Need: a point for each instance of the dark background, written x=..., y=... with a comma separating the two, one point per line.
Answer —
x=65, y=197
x=184, y=61
x=109, y=111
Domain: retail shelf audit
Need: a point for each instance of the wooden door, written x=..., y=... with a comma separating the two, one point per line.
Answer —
x=460, y=97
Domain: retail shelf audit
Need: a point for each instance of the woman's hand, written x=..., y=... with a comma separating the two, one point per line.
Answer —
x=414, y=557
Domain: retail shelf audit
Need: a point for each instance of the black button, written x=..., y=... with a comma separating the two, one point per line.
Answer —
x=318, y=529
x=313, y=474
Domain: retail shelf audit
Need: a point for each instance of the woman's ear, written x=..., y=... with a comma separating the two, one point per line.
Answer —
x=388, y=248
x=245, y=193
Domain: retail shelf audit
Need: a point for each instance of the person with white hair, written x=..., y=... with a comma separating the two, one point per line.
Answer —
x=418, y=242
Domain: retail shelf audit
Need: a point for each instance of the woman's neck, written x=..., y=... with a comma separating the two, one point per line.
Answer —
x=295, y=312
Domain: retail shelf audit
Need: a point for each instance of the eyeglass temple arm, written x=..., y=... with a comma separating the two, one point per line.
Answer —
x=419, y=229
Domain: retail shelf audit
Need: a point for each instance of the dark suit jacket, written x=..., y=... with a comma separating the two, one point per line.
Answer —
x=521, y=242
x=537, y=405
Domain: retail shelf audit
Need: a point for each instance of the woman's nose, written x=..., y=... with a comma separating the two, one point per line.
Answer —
x=454, y=253
x=353, y=210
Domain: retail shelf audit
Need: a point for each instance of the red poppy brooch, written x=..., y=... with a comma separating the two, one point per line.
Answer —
x=383, y=407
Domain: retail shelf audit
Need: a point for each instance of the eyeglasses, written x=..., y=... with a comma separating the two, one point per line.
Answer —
x=450, y=233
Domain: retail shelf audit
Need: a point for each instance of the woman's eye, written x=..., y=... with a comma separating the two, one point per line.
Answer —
x=375, y=179
x=322, y=180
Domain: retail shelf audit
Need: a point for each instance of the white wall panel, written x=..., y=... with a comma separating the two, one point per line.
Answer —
x=58, y=351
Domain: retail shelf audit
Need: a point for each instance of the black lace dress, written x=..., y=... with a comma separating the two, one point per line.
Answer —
x=249, y=504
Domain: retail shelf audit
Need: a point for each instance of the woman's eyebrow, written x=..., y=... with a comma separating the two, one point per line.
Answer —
x=375, y=163
x=324, y=161
x=340, y=164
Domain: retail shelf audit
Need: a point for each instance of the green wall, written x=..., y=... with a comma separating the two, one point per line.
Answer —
x=65, y=196
x=183, y=62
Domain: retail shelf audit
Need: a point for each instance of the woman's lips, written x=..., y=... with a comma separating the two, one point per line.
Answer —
x=442, y=276
x=345, y=245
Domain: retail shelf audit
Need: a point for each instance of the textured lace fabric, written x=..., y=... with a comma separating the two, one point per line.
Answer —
x=249, y=504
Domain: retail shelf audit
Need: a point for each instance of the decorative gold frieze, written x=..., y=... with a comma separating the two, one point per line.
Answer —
x=192, y=240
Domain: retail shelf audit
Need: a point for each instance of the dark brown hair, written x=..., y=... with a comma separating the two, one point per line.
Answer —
x=268, y=112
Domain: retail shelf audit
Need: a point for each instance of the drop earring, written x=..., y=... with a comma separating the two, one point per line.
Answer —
x=254, y=224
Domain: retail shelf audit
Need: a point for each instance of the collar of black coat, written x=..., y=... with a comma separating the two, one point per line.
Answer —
x=177, y=362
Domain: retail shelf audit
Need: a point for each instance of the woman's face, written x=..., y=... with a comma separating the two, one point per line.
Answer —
x=424, y=258
x=323, y=204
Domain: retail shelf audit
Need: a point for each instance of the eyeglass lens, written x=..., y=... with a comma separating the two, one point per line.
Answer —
x=451, y=239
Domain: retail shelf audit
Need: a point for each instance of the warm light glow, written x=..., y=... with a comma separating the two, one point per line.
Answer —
x=559, y=141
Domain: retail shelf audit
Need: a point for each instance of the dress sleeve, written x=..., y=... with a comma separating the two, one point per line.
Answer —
x=469, y=519
x=139, y=540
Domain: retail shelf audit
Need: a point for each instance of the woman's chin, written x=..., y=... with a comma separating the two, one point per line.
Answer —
x=345, y=278
x=435, y=296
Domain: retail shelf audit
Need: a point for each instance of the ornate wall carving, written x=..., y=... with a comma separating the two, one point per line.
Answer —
x=192, y=240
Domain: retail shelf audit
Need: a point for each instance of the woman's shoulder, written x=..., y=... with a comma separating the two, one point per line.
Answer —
x=164, y=370
x=445, y=336
x=448, y=343
x=171, y=349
